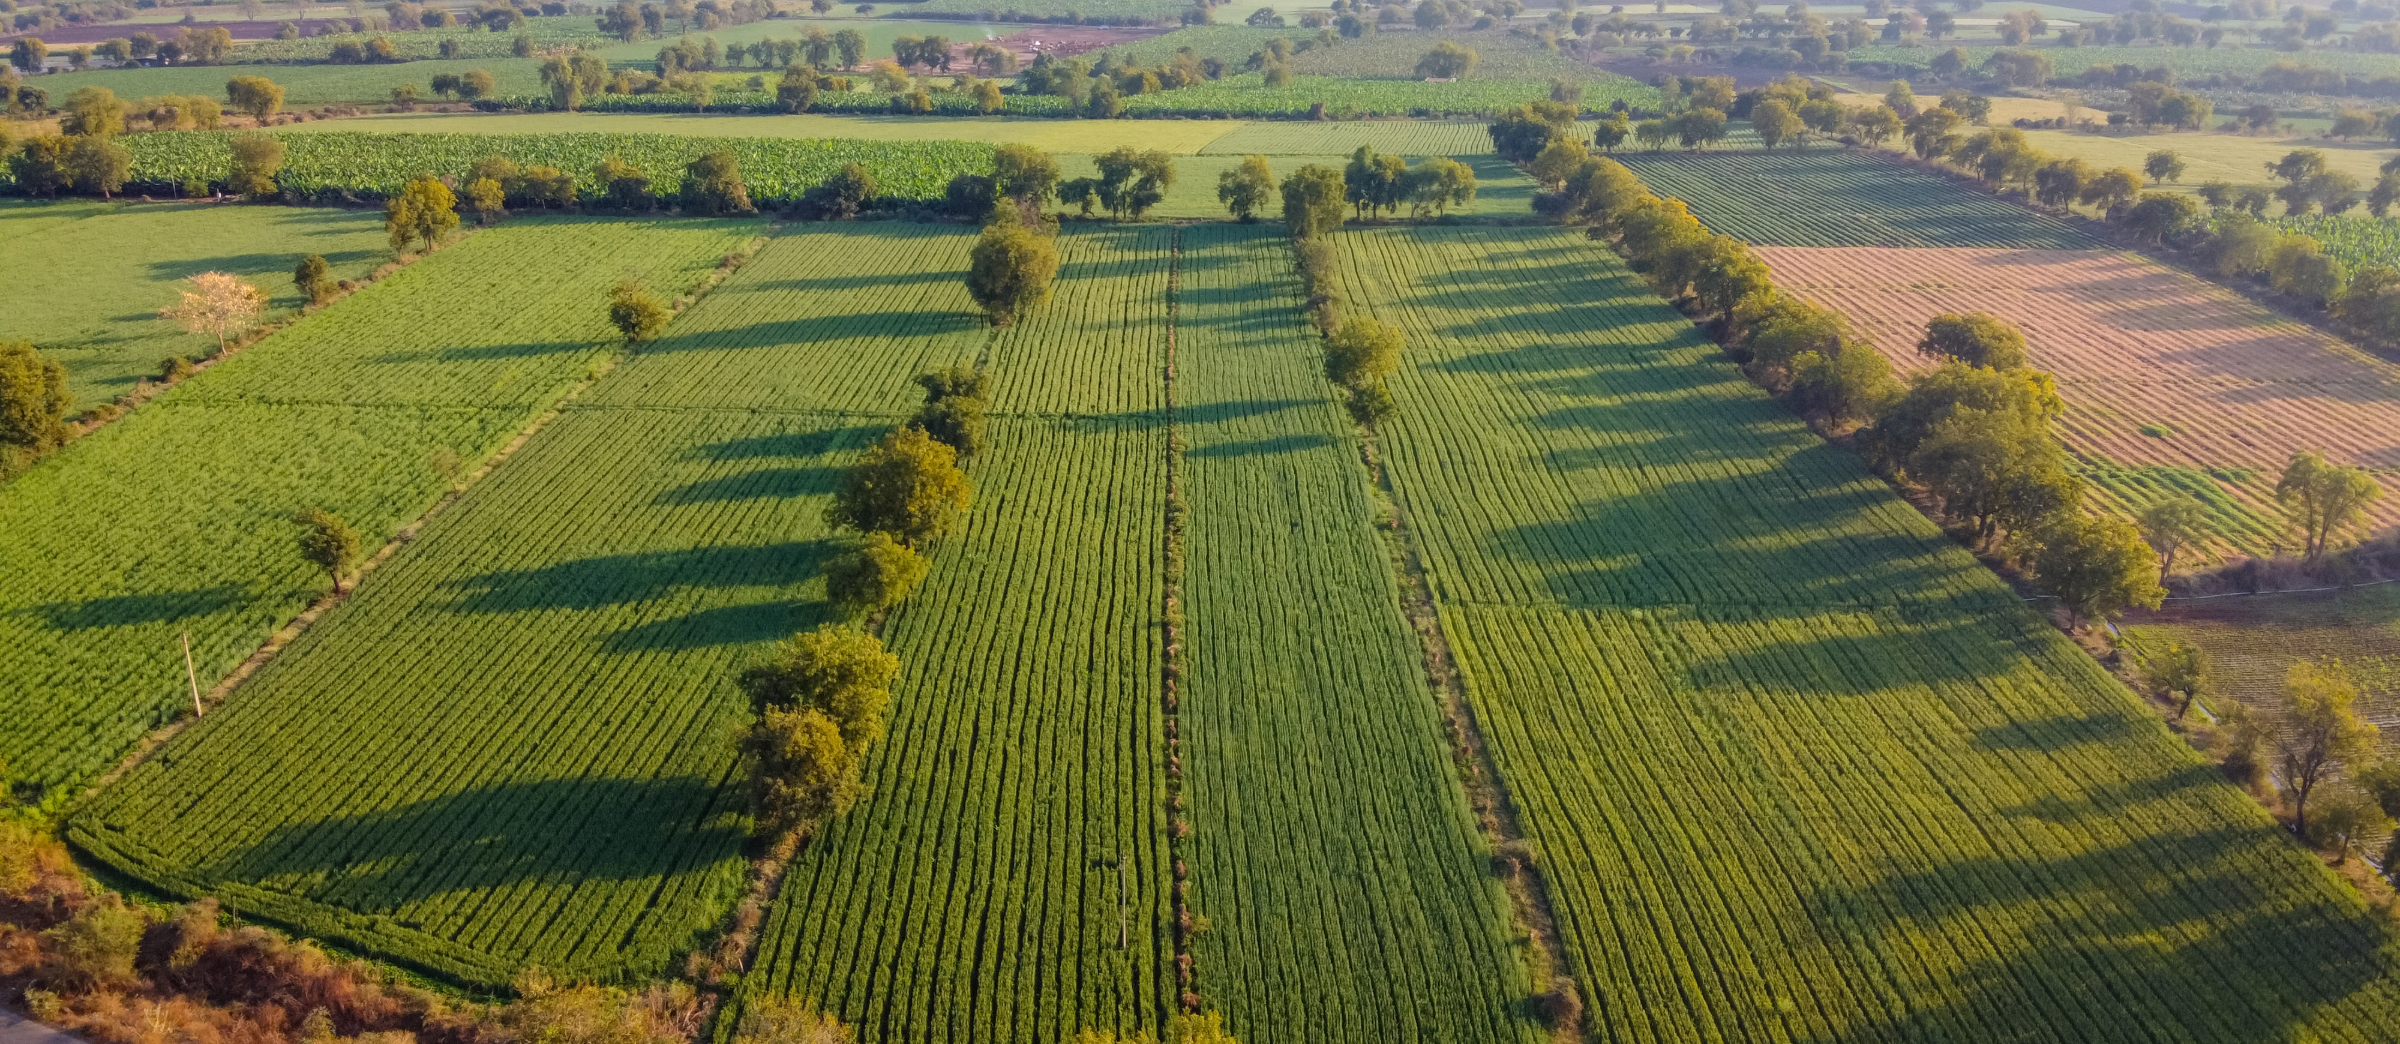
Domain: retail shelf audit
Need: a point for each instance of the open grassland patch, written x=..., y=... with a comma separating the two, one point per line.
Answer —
x=1176, y=136
x=1334, y=853
x=2207, y=157
x=591, y=606
x=1795, y=766
x=1839, y=198
x=86, y=280
x=1315, y=138
x=2156, y=366
x=178, y=518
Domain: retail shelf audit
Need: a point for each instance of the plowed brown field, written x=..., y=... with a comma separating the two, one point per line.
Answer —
x=2134, y=344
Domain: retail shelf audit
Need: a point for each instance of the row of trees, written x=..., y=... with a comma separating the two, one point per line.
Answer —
x=195, y=45
x=1010, y=269
x=1360, y=353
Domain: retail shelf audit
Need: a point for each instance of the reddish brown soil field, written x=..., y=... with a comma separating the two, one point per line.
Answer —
x=2133, y=344
x=1065, y=41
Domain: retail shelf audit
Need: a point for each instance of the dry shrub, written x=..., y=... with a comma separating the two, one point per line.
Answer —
x=1562, y=1006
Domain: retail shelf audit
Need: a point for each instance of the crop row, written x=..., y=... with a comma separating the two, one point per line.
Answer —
x=333, y=163
x=1333, y=852
x=1838, y=198
x=1848, y=789
x=177, y=519
x=2355, y=239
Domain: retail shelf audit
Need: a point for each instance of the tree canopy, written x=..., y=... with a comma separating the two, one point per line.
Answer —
x=908, y=485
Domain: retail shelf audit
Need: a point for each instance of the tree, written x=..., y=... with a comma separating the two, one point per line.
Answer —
x=1997, y=469
x=1975, y=338
x=328, y=543
x=1931, y=131
x=97, y=946
x=1874, y=125
x=851, y=44
x=1246, y=188
x=2162, y=214
x=1610, y=131
x=622, y=185
x=2320, y=730
x=876, y=576
x=93, y=112
x=1359, y=355
x=955, y=381
x=2171, y=525
x=28, y=54
x=1937, y=394
x=988, y=98
x=314, y=277
x=1853, y=384
x=477, y=83
x=819, y=701
x=712, y=185
x=487, y=197
x=2181, y=670
x=2163, y=165
x=2298, y=265
x=1131, y=182
x=1372, y=181
x=257, y=158
x=1698, y=127
x=956, y=422
x=841, y=196
x=1010, y=269
x=33, y=398
x=257, y=96
x=1520, y=134
x=2324, y=499
x=40, y=164
x=1557, y=161
x=1312, y=201
x=2098, y=567
x=1447, y=61
x=634, y=312
x=1775, y=123
x=1438, y=184
x=424, y=209
x=1024, y=173
x=798, y=91
x=216, y=304
x=908, y=485
x=99, y=165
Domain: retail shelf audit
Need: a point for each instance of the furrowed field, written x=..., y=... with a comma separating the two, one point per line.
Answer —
x=1836, y=198
x=1182, y=137
x=1334, y=853
x=591, y=606
x=1007, y=876
x=332, y=162
x=177, y=518
x=86, y=279
x=1798, y=768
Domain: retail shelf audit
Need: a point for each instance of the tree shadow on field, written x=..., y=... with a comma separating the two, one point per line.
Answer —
x=811, y=330
x=868, y=281
x=485, y=353
x=788, y=444
x=594, y=583
x=744, y=624
x=2054, y=734
x=495, y=836
x=1237, y=409
x=137, y=609
x=761, y=484
x=2164, y=937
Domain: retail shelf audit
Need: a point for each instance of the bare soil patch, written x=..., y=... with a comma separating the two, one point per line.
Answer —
x=1066, y=41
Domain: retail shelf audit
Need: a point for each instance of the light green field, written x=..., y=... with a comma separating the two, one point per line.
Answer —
x=1177, y=136
x=86, y=279
x=1323, y=138
x=177, y=519
x=1501, y=191
x=1797, y=767
x=879, y=33
x=2215, y=157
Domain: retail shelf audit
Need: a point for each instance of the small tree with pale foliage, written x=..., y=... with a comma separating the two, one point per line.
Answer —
x=2319, y=730
x=329, y=543
x=218, y=305
x=877, y=576
x=424, y=210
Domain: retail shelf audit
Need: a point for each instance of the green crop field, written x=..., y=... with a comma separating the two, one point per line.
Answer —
x=2187, y=62
x=1248, y=95
x=1394, y=55
x=1319, y=780
x=1312, y=138
x=626, y=596
x=1837, y=198
x=1183, y=137
x=2358, y=239
x=1016, y=830
x=472, y=42
x=177, y=519
x=304, y=85
x=1092, y=12
x=1501, y=189
x=1797, y=768
x=775, y=169
x=879, y=33
x=86, y=279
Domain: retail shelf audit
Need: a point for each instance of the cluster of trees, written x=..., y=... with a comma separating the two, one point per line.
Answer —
x=1013, y=262
x=2004, y=157
x=83, y=156
x=34, y=403
x=1130, y=183
x=195, y=45
x=817, y=705
x=2322, y=752
x=904, y=492
x=1359, y=352
x=1098, y=89
x=630, y=21
x=1376, y=182
x=1796, y=111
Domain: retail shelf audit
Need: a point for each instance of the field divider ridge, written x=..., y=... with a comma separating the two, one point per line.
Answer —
x=283, y=636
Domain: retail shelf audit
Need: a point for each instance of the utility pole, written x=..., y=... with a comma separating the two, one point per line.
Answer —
x=193, y=677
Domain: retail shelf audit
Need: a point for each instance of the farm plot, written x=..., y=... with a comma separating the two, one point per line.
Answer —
x=1566, y=504
x=86, y=281
x=304, y=85
x=1311, y=138
x=2159, y=370
x=1247, y=94
x=1175, y=136
x=1851, y=791
x=1838, y=198
x=592, y=604
x=177, y=519
x=1501, y=190
x=336, y=162
x=1006, y=877
x=2252, y=641
x=1333, y=851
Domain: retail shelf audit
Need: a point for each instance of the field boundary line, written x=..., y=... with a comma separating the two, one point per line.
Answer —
x=1171, y=545
x=222, y=692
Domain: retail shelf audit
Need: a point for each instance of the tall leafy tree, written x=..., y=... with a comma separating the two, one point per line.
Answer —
x=908, y=485
x=2319, y=730
x=2324, y=499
